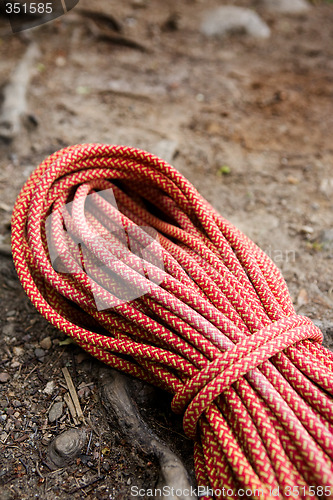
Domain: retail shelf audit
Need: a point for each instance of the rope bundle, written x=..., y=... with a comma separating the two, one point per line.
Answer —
x=118, y=250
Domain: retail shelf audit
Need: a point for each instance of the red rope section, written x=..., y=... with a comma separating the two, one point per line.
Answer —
x=214, y=324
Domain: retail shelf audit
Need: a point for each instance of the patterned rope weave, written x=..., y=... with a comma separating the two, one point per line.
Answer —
x=215, y=325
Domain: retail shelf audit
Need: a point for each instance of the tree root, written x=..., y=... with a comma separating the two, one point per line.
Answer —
x=121, y=409
x=14, y=107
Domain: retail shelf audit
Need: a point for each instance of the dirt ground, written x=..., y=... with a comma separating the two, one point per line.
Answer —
x=249, y=122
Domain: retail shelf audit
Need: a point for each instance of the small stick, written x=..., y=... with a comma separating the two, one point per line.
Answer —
x=88, y=447
x=69, y=403
x=24, y=465
x=73, y=394
x=38, y=471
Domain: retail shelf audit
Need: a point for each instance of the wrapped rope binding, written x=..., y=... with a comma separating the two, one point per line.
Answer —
x=118, y=250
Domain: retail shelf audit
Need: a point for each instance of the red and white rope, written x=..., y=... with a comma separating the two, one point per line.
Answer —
x=214, y=325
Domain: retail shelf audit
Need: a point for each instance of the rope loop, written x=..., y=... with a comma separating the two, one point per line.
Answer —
x=119, y=251
x=201, y=390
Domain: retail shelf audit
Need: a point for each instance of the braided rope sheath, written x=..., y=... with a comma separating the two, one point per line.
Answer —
x=215, y=326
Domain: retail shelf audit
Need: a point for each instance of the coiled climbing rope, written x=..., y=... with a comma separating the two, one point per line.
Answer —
x=118, y=250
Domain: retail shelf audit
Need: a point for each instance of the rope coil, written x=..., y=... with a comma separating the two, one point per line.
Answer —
x=118, y=250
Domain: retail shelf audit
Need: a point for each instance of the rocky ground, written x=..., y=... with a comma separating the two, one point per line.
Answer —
x=247, y=119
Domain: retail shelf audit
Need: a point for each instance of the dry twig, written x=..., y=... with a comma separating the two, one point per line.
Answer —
x=73, y=395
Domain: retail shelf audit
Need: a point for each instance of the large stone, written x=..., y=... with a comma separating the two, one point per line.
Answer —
x=231, y=19
x=65, y=447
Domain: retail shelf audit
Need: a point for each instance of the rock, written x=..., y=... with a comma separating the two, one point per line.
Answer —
x=3, y=437
x=287, y=6
x=326, y=239
x=4, y=377
x=302, y=298
x=327, y=328
x=49, y=388
x=82, y=356
x=18, y=351
x=56, y=411
x=166, y=149
x=9, y=330
x=46, y=343
x=231, y=19
x=40, y=354
x=326, y=186
x=66, y=447
x=306, y=230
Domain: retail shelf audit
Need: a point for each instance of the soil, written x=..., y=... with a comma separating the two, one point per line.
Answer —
x=249, y=122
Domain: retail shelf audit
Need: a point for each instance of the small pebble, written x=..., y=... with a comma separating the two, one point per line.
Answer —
x=292, y=180
x=326, y=238
x=306, y=229
x=55, y=411
x=3, y=436
x=82, y=356
x=4, y=377
x=9, y=330
x=39, y=353
x=18, y=351
x=303, y=297
x=326, y=186
x=46, y=343
x=49, y=388
x=60, y=61
x=83, y=392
